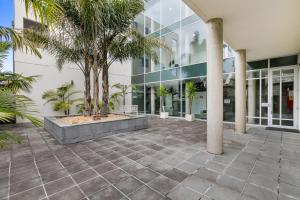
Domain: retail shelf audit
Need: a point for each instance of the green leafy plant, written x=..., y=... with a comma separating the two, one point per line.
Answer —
x=163, y=92
x=191, y=90
x=123, y=91
x=12, y=104
x=61, y=98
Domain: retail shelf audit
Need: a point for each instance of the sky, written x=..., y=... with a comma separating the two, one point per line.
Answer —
x=6, y=18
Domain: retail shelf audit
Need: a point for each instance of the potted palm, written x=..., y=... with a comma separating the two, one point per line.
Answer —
x=162, y=93
x=190, y=95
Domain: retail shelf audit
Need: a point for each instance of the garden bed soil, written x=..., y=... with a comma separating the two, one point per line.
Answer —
x=88, y=119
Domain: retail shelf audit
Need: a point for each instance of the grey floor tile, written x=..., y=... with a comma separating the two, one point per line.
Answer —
x=176, y=174
x=129, y=185
x=94, y=185
x=109, y=193
x=231, y=183
x=145, y=174
x=162, y=184
x=115, y=175
x=222, y=193
x=52, y=176
x=35, y=193
x=145, y=193
x=259, y=193
x=182, y=193
x=84, y=175
x=72, y=193
x=25, y=185
x=58, y=185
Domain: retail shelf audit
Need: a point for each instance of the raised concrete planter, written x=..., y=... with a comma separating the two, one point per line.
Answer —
x=68, y=134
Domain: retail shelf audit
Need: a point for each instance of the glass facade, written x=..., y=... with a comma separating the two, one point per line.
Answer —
x=175, y=24
x=184, y=32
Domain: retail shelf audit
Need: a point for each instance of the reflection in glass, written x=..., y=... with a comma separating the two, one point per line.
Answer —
x=229, y=97
x=276, y=97
x=253, y=100
x=193, y=43
x=170, y=59
x=287, y=102
x=138, y=98
x=152, y=99
x=171, y=12
x=152, y=16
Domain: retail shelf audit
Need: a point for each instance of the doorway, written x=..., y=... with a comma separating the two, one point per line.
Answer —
x=283, y=97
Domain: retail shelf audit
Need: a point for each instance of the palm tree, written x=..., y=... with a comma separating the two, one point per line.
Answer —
x=61, y=98
x=73, y=42
x=191, y=90
x=123, y=91
x=163, y=92
x=119, y=40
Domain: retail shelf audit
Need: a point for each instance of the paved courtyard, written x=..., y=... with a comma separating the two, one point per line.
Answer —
x=166, y=161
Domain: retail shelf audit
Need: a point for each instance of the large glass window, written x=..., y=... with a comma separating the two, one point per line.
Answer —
x=172, y=100
x=152, y=99
x=229, y=97
x=257, y=97
x=171, y=12
x=193, y=43
x=199, y=103
x=152, y=16
x=170, y=57
x=138, y=98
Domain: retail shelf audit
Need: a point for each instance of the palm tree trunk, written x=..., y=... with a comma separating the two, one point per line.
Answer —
x=96, y=93
x=105, y=88
x=124, y=102
x=87, y=88
x=191, y=101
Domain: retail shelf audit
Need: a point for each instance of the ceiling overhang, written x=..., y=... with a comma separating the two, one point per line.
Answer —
x=265, y=28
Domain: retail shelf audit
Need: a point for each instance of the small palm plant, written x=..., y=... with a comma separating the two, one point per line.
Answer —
x=61, y=98
x=191, y=90
x=163, y=92
x=123, y=91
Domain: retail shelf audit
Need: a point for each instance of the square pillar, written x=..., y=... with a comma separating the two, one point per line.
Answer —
x=215, y=86
x=240, y=91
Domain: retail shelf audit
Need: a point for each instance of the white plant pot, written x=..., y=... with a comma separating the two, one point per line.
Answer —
x=189, y=117
x=164, y=115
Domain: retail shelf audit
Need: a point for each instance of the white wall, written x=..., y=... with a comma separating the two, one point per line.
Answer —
x=51, y=77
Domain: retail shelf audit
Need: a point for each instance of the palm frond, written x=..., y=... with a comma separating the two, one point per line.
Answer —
x=16, y=82
x=12, y=105
x=8, y=138
x=18, y=41
x=47, y=11
x=4, y=47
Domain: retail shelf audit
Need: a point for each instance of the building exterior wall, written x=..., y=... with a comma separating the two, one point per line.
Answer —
x=50, y=77
x=185, y=33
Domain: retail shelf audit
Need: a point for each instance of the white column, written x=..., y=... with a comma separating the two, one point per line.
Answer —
x=152, y=100
x=215, y=86
x=240, y=91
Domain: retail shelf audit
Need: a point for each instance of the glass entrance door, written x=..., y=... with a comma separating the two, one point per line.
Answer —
x=283, y=102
